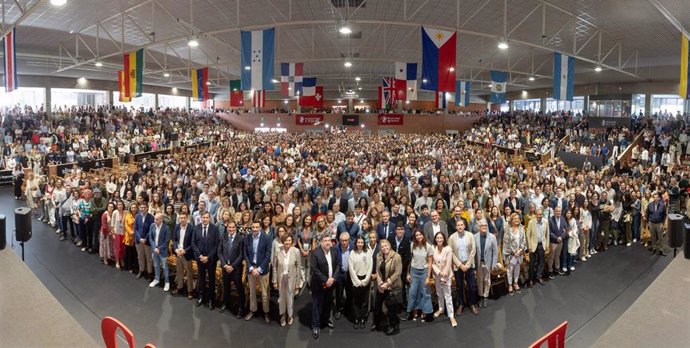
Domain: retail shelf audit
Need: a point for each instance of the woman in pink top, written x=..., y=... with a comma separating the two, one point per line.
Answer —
x=443, y=259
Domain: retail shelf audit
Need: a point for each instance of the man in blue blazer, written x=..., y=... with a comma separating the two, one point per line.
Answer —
x=486, y=259
x=159, y=236
x=142, y=225
x=182, y=247
x=559, y=200
x=205, y=245
x=558, y=242
x=230, y=251
x=257, y=254
x=385, y=229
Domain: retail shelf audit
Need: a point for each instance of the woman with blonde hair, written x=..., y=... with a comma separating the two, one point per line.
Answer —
x=514, y=246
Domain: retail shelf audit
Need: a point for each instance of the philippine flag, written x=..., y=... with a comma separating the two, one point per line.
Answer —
x=257, y=59
x=405, y=81
x=563, y=77
x=438, y=60
x=498, y=86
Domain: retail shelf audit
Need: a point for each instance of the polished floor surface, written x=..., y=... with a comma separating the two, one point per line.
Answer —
x=592, y=298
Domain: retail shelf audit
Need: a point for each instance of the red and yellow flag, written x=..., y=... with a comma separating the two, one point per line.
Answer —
x=134, y=69
x=121, y=77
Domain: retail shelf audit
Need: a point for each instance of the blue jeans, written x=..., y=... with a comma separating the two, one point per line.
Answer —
x=157, y=261
x=636, y=226
x=418, y=297
x=471, y=287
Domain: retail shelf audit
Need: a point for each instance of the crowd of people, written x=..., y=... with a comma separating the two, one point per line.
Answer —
x=400, y=222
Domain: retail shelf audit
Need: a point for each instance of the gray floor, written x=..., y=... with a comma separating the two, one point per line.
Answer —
x=592, y=298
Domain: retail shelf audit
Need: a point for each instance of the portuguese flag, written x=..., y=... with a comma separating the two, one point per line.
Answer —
x=134, y=70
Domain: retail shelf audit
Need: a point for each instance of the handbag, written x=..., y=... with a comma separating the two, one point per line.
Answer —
x=394, y=298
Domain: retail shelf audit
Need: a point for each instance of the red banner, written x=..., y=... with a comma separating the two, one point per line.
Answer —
x=308, y=119
x=390, y=119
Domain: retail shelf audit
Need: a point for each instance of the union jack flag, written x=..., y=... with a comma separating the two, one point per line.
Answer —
x=387, y=93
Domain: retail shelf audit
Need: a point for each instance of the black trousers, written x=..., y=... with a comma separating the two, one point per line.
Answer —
x=321, y=304
x=536, y=263
x=234, y=277
x=18, y=185
x=206, y=271
x=393, y=311
x=343, y=293
x=360, y=302
x=67, y=222
x=131, y=259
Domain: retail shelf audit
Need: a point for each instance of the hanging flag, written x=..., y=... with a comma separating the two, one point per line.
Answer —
x=200, y=84
x=380, y=99
x=259, y=99
x=312, y=95
x=236, y=93
x=291, y=75
x=440, y=100
x=563, y=76
x=121, y=77
x=684, y=70
x=257, y=59
x=10, y=61
x=388, y=91
x=438, y=60
x=462, y=93
x=134, y=68
x=498, y=86
x=405, y=81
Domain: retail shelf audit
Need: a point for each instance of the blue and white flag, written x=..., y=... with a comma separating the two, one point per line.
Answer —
x=257, y=59
x=440, y=100
x=498, y=86
x=563, y=77
x=462, y=93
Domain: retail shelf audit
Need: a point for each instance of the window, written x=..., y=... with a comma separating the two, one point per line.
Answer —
x=69, y=97
x=34, y=97
x=577, y=105
x=528, y=104
x=505, y=107
x=145, y=102
x=638, y=104
x=172, y=101
x=667, y=104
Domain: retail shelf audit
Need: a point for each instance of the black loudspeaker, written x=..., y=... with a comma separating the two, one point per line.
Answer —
x=686, y=249
x=22, y=224
x=675, y=230
x=3, y=232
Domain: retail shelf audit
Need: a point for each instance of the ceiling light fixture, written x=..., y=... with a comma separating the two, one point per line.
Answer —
x=166, y=75
x=58, y=2
x=358, y=79
x=247, y=67
x=345, y=30
x=423, y=80
x=490, y=85
x=503, y=43
x=451, y=69
x=98, y=64
x=208, y=83
x=193, y=43
x=597, y=69
x=348, y=64
x=359, y=88
x=274, y=81
x=531, y=78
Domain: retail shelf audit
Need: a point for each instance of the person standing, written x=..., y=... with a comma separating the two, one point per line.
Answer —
x=142, y=226
x=129, y=240
x=343, y=294
x=159, y=238
x=287, y=277
x=230, y=254
x=464, y=253
x=105, y=249
x=442, y=261
x=557, y=235
x=205, y=245
x=325, y=269
x=486, y=260
x=419, y=278
x=537, y=240
x=182, y=246
x=257, y=255
x=118, y=229
x=656, y=216
x=401, y=245
x=389, y=288
x=514, y=251
x=360, y=266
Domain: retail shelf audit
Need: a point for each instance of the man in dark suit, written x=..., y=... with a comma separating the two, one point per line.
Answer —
x=230, y=254
x=159, y=238
x=182, y=246
x=142, y=226
x=451, y=224
x=257, y=254
x=401, y=245
x=434, y=226
x=513, y=202
x=205, y=245
x=239, y=197
x=385, y=229
x=325, y=266
x=559, y=200
x=557, y=242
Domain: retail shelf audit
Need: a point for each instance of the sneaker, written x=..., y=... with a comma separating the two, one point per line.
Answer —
x=83, y=249
x=583, y=259
x=572, y=268
x=565, y=269
x=629, y=244
x=58, y=231
x=615, y=243
x=634, y=240
x=166, y=287
x=154, y=283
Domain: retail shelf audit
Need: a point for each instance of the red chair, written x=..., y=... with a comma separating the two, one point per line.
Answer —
x=109, y=326
x=553, y=339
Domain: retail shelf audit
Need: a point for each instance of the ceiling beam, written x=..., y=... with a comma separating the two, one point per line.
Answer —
x=25, y=14
x=670, y=17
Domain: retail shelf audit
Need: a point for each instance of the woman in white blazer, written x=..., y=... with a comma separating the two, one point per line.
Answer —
x=287, y=276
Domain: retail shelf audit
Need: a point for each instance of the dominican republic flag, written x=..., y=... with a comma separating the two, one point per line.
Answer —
x=440, y=100
x=259, y=99
x=312, y=95
x=563, y=77
x=257, y=59
x=291, y=75
x=438, y=60
x=498, y=86
x=405, y=81
x=8, y=50
x=462, y=93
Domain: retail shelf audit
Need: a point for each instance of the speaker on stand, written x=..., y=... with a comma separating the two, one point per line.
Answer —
x=3, y=232
x=22, y=224
x=675, y=232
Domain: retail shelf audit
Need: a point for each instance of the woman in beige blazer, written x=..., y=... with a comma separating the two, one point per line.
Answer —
x=389, y=288
x=287, y=276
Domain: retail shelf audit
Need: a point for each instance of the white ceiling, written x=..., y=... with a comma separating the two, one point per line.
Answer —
x=641, y=41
